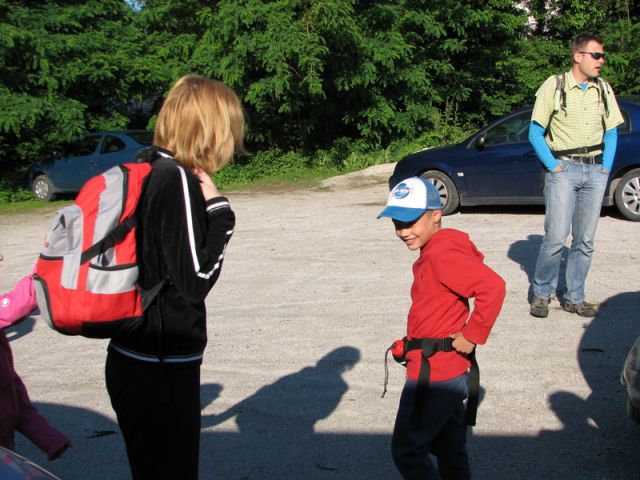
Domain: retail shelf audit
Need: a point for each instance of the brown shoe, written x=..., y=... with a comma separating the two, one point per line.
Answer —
x=583, y=309
x=539, y=307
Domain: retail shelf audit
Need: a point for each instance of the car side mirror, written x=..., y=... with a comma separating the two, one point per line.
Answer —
x=480, y=142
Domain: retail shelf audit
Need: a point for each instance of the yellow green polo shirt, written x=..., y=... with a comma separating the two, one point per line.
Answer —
x=583, y=122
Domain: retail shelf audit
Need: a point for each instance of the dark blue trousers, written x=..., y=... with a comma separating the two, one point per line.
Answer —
x=439, y=430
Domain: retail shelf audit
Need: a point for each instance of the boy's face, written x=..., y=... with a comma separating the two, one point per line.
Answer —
x=417, y=234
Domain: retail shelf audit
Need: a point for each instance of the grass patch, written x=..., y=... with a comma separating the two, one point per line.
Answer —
x=273, y=167
x=309, y=178
x=30, y=205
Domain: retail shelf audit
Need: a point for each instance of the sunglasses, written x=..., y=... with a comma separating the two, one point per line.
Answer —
x=595, y=55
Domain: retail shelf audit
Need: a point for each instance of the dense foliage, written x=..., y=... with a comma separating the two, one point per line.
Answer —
x=323, y=78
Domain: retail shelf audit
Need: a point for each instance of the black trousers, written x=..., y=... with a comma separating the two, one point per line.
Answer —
x=158, y=411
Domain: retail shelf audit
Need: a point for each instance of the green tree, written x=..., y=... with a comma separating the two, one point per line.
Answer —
x=545, y=50
x=311, y=72
x=67, y=67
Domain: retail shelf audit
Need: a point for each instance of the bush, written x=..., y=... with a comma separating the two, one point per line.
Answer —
x=13, y=196
x=344, y=156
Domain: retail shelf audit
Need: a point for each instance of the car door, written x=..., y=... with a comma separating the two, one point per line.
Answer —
x=76, y=167
x=626, y=147
x=502, y=166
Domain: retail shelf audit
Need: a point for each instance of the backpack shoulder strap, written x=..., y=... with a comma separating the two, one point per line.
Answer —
x=605, y=91
x=560, y=97
x=559, y=102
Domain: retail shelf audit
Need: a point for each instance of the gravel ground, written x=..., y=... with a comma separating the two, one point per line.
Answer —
x=313, y=290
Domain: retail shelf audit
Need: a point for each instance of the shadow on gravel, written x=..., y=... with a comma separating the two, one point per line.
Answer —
x=612, y=212
x=525, y=253
x=17, y=330
x=502, y=209
x=598, y=440
x=277, y=438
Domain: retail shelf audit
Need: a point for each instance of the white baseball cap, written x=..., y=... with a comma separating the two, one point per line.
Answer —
x=410, y=198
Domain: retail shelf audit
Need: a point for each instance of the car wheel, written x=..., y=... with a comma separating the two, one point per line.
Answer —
x=448, y=192
x=42, y=188
x=627, y=195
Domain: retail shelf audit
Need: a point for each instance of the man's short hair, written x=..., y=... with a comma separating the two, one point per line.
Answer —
x=581, y=41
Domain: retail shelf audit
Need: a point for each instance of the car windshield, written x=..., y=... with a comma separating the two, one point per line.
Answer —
x=143, y=138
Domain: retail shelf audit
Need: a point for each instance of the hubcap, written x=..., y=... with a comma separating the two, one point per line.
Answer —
x=41, y=189
x=631, y=195
x=442, y=189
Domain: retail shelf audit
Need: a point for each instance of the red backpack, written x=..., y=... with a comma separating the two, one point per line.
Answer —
x=86, y=277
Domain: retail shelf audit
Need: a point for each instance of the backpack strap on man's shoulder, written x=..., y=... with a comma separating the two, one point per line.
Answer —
x=559, y=102
x=605, y=91
x=560, y=96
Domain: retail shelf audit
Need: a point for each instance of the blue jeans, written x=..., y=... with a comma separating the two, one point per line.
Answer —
x=441, y=431
x=573, y=199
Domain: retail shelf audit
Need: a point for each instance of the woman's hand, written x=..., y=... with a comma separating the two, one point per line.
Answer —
x=209, y=190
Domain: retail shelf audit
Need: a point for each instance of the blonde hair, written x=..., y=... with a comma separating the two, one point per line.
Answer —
x=202, y=122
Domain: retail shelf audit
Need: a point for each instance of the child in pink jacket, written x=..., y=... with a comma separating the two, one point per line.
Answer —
x=17, y=413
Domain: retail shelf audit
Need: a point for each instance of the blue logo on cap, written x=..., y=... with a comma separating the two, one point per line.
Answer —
x=402, y=191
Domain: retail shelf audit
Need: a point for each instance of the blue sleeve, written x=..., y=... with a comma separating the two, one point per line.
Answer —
x=610, y=140
x=536, y=138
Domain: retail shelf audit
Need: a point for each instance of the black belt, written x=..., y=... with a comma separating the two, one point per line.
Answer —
x=579, y=150
x=429, y=347
x=586, y=159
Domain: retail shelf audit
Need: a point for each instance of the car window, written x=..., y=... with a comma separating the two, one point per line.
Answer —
x=512, y=130
x=112, y=144
x=86, y=146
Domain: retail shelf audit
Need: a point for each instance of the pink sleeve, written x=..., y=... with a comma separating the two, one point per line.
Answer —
x=18, y=303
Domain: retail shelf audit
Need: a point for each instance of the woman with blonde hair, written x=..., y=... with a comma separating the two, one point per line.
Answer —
x=184, y=224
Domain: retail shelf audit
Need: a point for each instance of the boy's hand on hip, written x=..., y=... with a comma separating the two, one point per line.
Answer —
x=461, y=344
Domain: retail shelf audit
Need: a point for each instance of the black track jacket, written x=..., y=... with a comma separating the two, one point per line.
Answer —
x=181, y=239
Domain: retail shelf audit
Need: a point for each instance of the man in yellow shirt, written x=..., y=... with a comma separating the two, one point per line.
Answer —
x=574, y=133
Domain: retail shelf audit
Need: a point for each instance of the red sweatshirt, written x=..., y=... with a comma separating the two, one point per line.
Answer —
x=448, y=272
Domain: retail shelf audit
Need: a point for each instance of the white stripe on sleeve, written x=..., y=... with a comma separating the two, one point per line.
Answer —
x=189, y=219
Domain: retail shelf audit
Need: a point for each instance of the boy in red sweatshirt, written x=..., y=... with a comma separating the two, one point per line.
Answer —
x=448, y=271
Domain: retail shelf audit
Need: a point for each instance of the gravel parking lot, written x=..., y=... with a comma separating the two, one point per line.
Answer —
x=313, y=290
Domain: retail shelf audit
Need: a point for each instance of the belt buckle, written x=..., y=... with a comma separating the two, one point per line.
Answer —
x=584, y=159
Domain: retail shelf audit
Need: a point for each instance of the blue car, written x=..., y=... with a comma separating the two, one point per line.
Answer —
x=81, y=160
x=497, y=166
